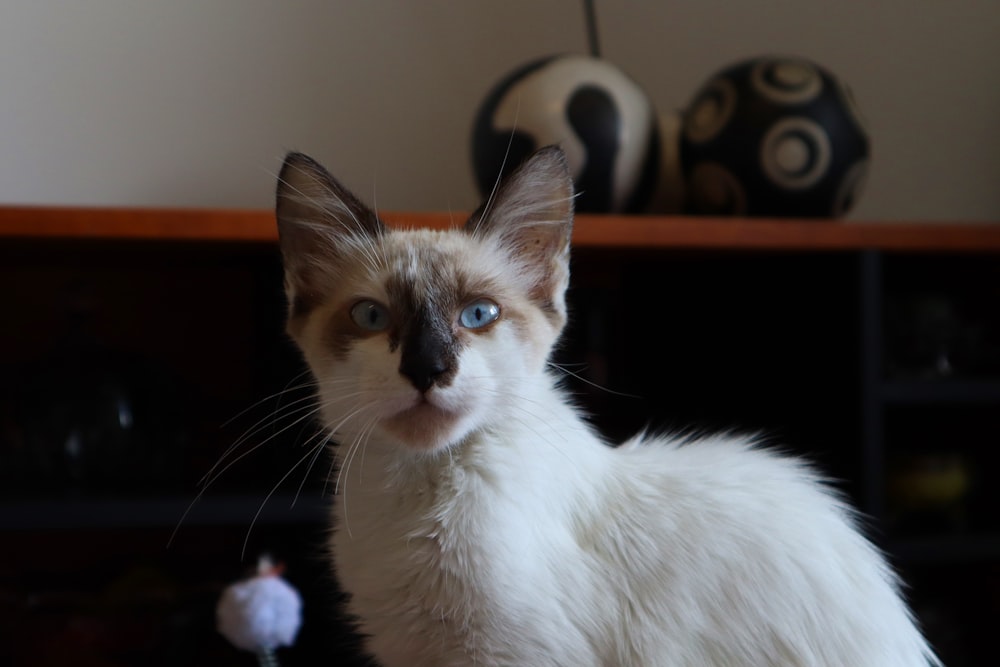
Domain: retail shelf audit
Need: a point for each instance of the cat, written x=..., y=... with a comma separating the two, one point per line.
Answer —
x=481, y=521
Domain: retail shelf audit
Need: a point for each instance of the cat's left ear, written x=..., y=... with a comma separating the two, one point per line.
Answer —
x=320, y=223
x=531, y=215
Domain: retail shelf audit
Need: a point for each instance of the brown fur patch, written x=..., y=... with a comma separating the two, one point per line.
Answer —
x=426, y=308
x=340, y=332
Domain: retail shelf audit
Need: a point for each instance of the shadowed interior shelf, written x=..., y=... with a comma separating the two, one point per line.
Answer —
x=941, y=391
x=166, y=512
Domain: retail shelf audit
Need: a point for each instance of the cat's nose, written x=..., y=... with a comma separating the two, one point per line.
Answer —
x=422, y=374
x=427, y=359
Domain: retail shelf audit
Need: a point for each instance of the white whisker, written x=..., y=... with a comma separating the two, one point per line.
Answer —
x=257, y=427
x=210, y=479
x=322, y=441
x=565, y=370
x=362, y=437
x=276, y=395
x=273, y=490
x=354, y=443
x=503, y=163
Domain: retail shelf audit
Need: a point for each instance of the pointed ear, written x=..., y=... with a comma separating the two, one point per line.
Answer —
x=319, y=221
x=530, y=214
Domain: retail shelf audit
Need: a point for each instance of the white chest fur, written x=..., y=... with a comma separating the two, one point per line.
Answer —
x=459, y=554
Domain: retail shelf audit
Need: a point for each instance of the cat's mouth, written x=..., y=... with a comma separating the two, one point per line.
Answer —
x=424, y=425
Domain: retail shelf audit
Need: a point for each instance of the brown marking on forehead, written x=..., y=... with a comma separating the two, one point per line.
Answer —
x=424, y=276
x=436, y=286
x=427, y=290
x=433, y=289
x=425, y=307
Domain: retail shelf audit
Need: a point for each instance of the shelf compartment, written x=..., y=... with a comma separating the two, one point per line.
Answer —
x=945, y=549
x=918, y=392
x=86, y=513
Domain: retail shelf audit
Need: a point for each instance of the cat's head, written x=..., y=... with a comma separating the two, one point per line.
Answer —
x=425, y=336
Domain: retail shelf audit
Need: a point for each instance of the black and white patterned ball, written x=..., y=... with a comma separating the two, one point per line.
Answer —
x=773, y=136
x=599, y=116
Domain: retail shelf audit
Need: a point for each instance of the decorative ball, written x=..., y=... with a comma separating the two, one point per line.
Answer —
x=774, y=137
x=600, y=117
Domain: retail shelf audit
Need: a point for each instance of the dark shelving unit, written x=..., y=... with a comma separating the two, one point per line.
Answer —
x=931, y=421
x=789, y=327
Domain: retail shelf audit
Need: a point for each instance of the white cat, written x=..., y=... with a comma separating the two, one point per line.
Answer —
x=480, y=521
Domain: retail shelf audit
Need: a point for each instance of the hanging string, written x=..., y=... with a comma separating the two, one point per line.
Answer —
x=590, y=16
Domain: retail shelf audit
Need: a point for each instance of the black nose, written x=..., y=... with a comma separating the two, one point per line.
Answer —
x=427, y=358
x=423, y=373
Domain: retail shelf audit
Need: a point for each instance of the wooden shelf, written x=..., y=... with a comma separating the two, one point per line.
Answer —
x=604, y=231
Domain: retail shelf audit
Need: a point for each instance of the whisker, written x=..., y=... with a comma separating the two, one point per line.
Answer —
x=271, y=493
x=306, y=413
x=519, y=405
x=350, y=449
x=503, y=163
x=322, y=441
x=565, y=370
x=211, y=477
x=364, y=449
x=329, y=472
x=276, y=394
x=363, y=435
x=207, y=484
x=261, y=424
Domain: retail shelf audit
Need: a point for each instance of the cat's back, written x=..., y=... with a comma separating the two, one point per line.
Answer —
x=733, y=554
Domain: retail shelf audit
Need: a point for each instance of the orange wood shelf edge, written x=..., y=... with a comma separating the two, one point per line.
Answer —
x=596, y=231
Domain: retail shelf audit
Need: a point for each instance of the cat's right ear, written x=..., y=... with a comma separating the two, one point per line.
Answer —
x=319, y=222
x=530, y=215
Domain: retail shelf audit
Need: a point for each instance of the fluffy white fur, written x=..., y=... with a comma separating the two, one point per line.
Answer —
x=484, y=523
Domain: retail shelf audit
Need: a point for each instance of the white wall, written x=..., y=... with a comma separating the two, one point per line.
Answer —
x=193, y=102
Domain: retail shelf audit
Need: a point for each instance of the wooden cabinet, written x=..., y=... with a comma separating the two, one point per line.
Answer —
x=137, y=346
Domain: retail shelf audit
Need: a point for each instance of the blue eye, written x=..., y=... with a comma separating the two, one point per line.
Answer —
x=370, y=315
x=478, y=314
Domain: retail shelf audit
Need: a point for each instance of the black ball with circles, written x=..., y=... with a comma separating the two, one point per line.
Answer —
x=773, y=137
x=600, y=117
